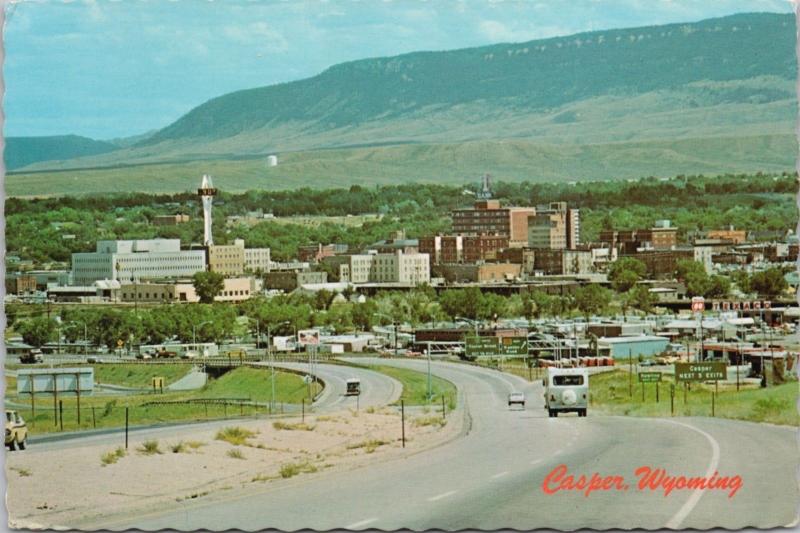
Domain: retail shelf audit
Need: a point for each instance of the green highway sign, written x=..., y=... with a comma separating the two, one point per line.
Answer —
x=649, y=377
x=514, y=346
x=482, y=346
x=711, y=371
x=494, y=346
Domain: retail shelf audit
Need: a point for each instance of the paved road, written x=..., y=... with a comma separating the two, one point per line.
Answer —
x=377, y=389
x=492, y=477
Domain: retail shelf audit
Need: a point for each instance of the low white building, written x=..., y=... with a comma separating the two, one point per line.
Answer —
x=136, y=260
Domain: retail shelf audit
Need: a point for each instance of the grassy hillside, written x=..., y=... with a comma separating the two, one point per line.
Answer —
x=509, y=160
x=22, y=151
x=680, y=83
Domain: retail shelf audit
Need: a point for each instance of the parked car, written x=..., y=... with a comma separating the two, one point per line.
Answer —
x=32, y=356
x=516, y=398
x=16, y=431
x=565, y=390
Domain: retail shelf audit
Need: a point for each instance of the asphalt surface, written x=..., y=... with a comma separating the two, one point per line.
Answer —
x=377, y=389
x=492, y=477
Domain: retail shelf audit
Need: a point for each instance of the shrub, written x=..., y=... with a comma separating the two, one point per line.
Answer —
x=149, y=447
x=368, y=445
x=279, y=425
x=179, y=447
x=235, y=435
x=433, y=420
x=112, y=457
x=235, y=453
x=292, y=469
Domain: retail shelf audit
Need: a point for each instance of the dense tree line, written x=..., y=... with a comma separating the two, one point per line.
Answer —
x=36, y=228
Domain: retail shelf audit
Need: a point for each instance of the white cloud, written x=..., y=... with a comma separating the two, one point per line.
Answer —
x=258, y=34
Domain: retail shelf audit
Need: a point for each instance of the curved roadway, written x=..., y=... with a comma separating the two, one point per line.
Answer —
x=377, y=389
x=492, y=477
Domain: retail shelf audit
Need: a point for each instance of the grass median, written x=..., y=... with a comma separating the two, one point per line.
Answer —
x=609, y=392
x=415, y=386
x=105, y=411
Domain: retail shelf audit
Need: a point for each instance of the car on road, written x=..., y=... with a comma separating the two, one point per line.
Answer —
x=93, y=359
x=143, y=355
x=190, y=354
x=353, y=387
x=516, y=398
x=566, y=390
x=16, y=431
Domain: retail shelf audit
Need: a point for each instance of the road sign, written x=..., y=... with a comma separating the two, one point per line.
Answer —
x=711, y=371
x=482, y=346
x=698, y=304
x=120, y=343
x=649, y=377
x=513, y=346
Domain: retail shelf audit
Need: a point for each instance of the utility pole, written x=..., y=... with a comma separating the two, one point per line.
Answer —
x=429, y=371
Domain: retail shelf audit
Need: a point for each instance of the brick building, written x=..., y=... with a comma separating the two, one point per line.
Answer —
x=487, y=217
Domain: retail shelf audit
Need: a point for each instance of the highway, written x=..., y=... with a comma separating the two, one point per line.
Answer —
x=492, y=477
x=378, y=389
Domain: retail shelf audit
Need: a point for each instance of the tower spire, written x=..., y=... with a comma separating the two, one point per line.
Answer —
x=207, y=192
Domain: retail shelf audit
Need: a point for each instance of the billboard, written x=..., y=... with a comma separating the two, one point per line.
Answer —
x=307, y=337
x=58, y=379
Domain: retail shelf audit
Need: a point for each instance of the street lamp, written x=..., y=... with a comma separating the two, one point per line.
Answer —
x=85, y=336
x=272, y=362
x=394, y=323
x=195, y=328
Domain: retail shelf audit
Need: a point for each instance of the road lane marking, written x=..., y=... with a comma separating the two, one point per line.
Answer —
x=683, y=512
x=536, y=461
x=361, y=524
x=441, y=496
x=501, y=474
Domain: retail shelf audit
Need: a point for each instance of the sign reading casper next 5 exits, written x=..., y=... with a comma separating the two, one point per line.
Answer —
x=712, y=371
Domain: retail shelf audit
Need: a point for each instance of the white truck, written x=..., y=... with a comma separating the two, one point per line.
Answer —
x=566, y=390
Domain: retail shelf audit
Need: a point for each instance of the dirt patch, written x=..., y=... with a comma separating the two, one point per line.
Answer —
x=64, y=488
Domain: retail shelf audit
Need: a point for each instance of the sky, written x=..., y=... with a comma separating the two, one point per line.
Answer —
x=116, y=68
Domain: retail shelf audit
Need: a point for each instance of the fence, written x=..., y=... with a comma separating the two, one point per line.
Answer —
x=68, y=416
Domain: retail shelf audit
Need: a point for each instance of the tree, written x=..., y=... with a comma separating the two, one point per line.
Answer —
x=208, y=285
x=770, y=282
x=37, y=331
x=694, y=276
x=592, y=299
x=640, y=298
x=625, y=273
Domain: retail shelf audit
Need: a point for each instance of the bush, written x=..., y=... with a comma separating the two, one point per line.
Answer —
x=292, y=469
x=149, y=447
x=279, y=425
x=235, y=435
x=112, y=457
x=368, y=445
x=434, y=420
x=179, y=447
x=235, y=453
